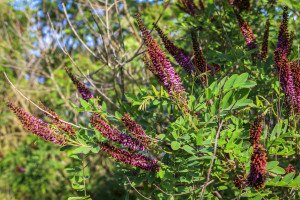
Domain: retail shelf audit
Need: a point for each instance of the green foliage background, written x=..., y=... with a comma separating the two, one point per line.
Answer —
x=31, y=57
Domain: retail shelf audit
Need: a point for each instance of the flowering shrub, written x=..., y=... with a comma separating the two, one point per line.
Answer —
x=209, y=133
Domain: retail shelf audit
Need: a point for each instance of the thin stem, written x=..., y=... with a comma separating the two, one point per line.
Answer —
x=74, y=31
x=83, y=174
x=137, y=190
x=14, y=87
x=212, y=159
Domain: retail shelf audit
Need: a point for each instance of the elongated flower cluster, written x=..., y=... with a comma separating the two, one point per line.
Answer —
x=250, y=39
x=283, y=44
x=163, y=69
x=137, y=144
x=258, y=170
x=60, y=124
x=246, y=31
x=264, y=48
x=136, y=129
x=295, y=69
x=37, y=126
x=199, y=60
x=289, y=169
x=287, y=71
x=256, y=130
x=181, y=57
x=201, y=66
x=240, y=4
x=287, y=83
x=136, y=159
x=82, y=89
x=114, y=134
x=190, y=7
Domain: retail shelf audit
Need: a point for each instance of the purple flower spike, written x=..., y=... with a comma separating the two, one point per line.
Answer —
x=37, y=126
x=256, y=130
x=246, y=31
x=295, y=68
x=264, y=48
x=114, y=134
x=133, y=159
x=287, y=82
x=287, y=76
x=283, y=44
x=82, y=89
x=55, y=119
x=136, y=129
x=199, y=59
x=181, y=57
x=258, y=169
x=162, y=67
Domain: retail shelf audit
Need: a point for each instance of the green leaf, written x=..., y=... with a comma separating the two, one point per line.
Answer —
x=248, y=84
x=188, y=149
x=104, y=107
x=95, y=149
x=79, y=187
x=225, y=101
x=175, y=145
x=118, y=115
x=272, y=164
x=81, y=149
x=156, y=102
x=229, y=83
x=275, y=179
x=276, y=130
x=84, y=104
x=295, y=182
x=248, y=194
x=199, y=139
x=240, y=80
x=156, y=93
x=161, y=136
x=242, y=103
x=289, y=177
x=278, y=170
x=161, y=173
x=222, y=187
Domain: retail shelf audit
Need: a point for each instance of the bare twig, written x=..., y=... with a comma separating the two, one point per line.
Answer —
x=41, y=109
x=74, y=63
x=136, y=189
x=74, y=31
x=212, y=159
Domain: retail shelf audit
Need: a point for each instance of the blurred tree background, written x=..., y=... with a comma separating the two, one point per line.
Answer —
x=34, y=61
x=101, y=42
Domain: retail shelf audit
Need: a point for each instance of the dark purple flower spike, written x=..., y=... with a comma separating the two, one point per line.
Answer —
x=37, y=126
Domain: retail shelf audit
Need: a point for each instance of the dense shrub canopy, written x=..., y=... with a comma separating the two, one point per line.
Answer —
x=149, y=99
